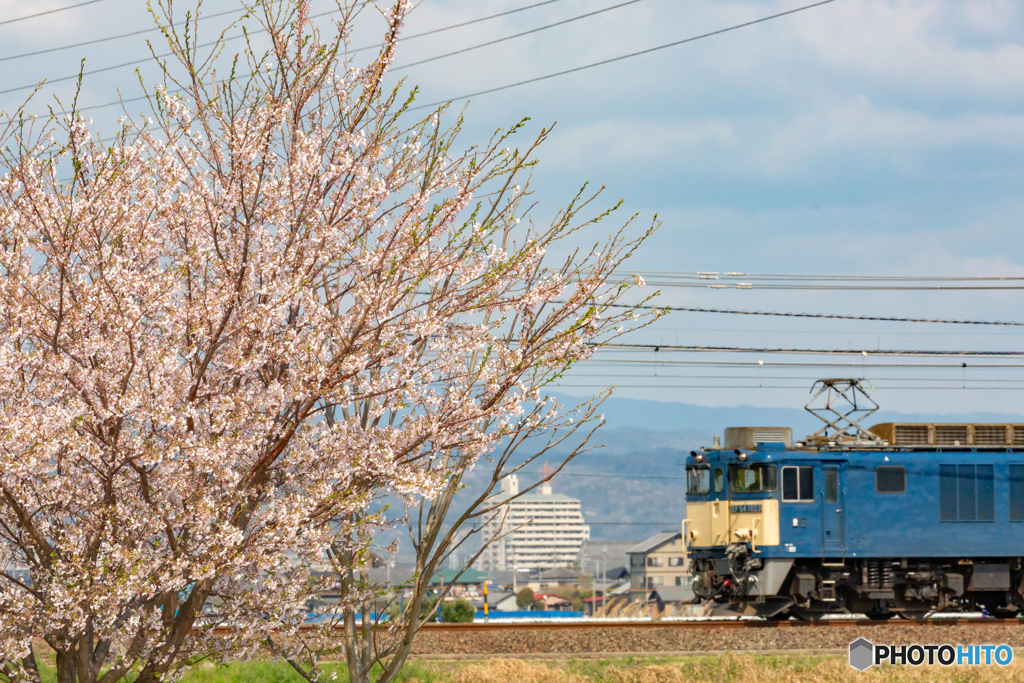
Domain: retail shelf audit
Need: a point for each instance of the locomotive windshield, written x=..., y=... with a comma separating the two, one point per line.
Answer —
x=754, y=478
x=698, y=479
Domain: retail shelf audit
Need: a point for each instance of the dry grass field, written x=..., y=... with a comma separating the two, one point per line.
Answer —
x=724, y=669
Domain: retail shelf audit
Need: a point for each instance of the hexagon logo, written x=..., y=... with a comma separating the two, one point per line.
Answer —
x=862, y=654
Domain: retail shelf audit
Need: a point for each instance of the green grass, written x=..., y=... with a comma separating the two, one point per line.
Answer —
x=276, y=672
x=724, y=669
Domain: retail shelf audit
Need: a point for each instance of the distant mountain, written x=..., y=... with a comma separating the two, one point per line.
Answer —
x=669, y=416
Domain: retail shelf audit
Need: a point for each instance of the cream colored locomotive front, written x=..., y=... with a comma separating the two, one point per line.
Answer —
x=721, y=522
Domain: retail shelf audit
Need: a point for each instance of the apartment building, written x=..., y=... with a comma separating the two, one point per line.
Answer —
x=658, y=563
x=552, y=535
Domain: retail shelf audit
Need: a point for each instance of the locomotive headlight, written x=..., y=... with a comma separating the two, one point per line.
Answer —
x=740, y=454
x=699, y=457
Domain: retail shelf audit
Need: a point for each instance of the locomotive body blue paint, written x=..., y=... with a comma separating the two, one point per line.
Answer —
x=864, y=523
x=936, y=528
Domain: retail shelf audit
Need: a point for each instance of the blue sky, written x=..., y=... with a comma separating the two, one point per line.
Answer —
x=864, y=137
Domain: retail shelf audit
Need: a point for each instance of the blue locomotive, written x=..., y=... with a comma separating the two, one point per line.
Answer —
x=898, y=519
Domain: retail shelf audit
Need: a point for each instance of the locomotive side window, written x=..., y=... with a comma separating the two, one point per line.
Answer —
x=798, y=484
x=890, y=479
x=698, y=480
x=967, y=493
x=719, y=480
x=1017, y=493
x=757, y=478
x=985, y=479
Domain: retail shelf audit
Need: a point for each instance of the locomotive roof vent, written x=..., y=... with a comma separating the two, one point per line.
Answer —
x=749, y=437
x=931, y=434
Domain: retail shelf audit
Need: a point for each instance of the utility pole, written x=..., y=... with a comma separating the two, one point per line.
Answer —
x=514, y=582
x=604, y=578
x=439, y=592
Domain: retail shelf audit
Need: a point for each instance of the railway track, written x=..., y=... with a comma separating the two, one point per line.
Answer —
x=721, y=624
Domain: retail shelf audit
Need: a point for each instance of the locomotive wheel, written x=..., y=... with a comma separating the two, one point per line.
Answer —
x=913, y=616
x=809, y=616
x=879, y=616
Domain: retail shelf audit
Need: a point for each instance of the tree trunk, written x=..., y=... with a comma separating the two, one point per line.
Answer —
x=66, y=670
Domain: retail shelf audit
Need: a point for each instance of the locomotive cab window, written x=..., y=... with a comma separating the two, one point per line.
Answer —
x=719, y=480
x=698, y=480
x=798, y=484
x=757, y=478
x=890, y=479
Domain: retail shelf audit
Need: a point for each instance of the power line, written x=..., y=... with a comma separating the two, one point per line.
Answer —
x=828, y=316
x=627, y=56
x=136, y=62
x=104, y=40
x=52, y=11
x=231, y=38
x=477, y=21
x=361, y=49
x=517, y=35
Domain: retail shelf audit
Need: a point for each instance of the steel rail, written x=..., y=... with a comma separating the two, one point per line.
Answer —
x=727, y=624
x=723, y=624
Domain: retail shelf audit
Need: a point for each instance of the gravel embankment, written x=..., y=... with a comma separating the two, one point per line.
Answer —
x=610, y=639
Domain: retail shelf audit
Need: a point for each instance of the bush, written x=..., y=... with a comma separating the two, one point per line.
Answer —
x=457, y=611
x=524, y=598
x=539, y=606
x=428, y=608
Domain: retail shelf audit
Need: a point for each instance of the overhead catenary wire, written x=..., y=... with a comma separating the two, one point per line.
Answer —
x=865, y=352
x=802, y=387
x=824, y=316
x=826, y=286
x=711, y=275
x=668, y=362
x=776, y=281
x=983, y=380
x=620, y=58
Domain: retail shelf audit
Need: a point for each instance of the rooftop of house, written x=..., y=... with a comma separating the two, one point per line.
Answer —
x=655, y=542
x=559, y=573
x=468, y=576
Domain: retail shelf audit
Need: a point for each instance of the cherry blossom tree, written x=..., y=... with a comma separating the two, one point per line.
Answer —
x=232, y=328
